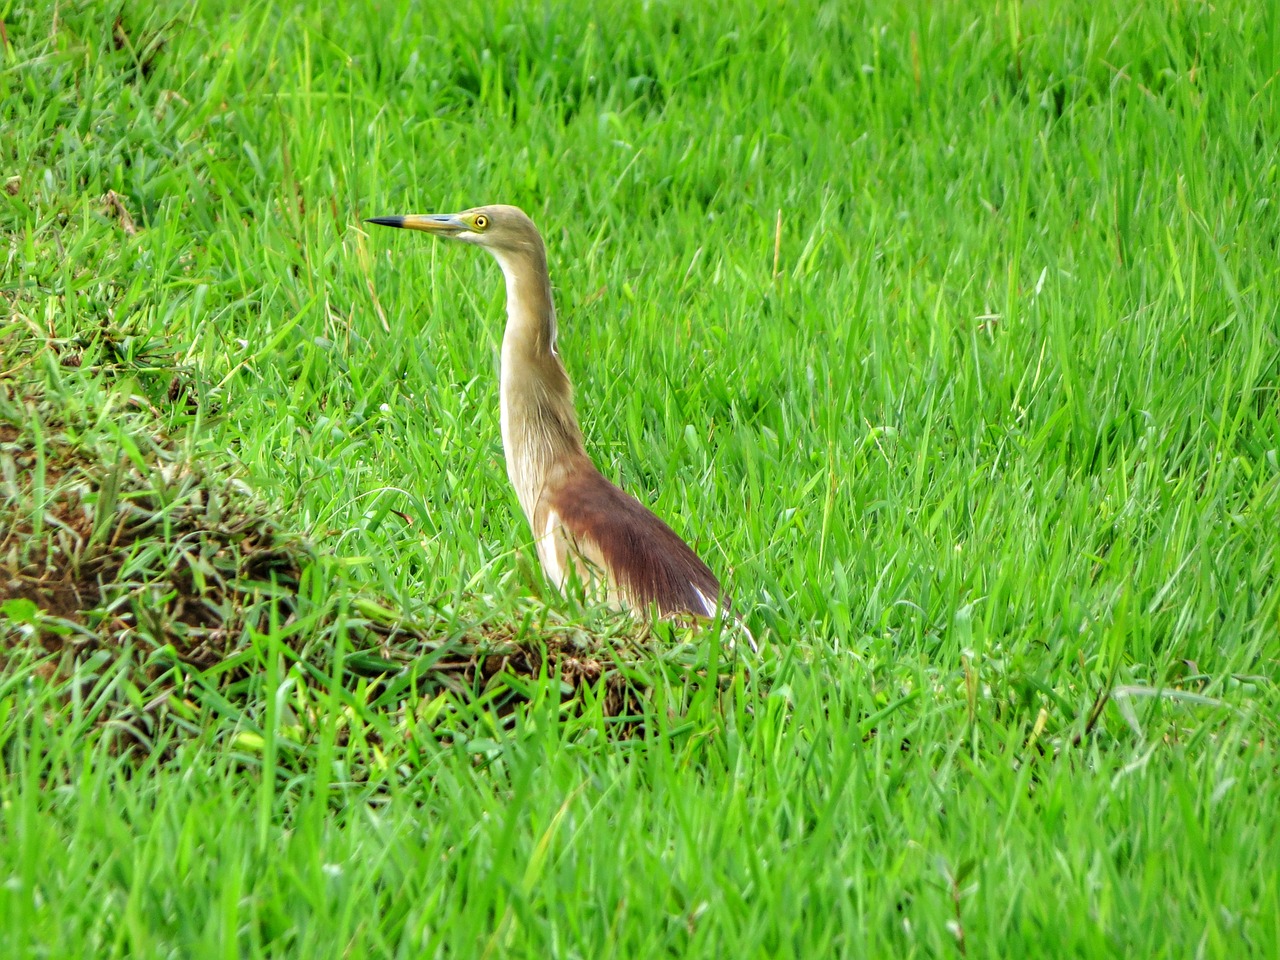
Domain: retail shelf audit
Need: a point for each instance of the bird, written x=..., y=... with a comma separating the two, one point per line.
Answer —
x=586, y=529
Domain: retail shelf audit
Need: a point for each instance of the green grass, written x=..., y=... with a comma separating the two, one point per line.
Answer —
x=985, y=445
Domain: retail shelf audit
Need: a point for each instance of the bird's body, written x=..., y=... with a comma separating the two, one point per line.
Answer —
x=586, y=529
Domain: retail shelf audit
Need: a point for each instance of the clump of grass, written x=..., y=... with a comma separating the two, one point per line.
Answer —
x=148, y=547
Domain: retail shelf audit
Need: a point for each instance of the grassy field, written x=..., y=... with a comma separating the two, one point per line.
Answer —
x=948, y=333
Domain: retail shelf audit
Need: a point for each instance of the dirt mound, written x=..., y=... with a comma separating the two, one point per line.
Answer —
x=135, y=554
x=111, y=554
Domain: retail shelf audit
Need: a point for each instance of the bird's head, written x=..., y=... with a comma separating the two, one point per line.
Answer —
x=501, y=229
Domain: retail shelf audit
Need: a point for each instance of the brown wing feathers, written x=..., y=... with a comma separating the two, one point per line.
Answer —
x=647, y=560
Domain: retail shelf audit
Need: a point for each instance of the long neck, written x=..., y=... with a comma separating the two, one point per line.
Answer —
x=539, y=428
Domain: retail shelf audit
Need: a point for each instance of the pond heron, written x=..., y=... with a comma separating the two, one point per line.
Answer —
x=584, y=527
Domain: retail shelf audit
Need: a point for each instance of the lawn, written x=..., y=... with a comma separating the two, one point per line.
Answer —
x=948, y=333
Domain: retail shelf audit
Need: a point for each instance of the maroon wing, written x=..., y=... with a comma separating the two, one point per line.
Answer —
x=646, y=559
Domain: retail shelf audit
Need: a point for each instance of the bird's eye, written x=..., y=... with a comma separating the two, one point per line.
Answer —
x=481, y=221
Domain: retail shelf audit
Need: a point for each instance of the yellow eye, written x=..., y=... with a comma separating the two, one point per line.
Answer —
x=480, y=222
